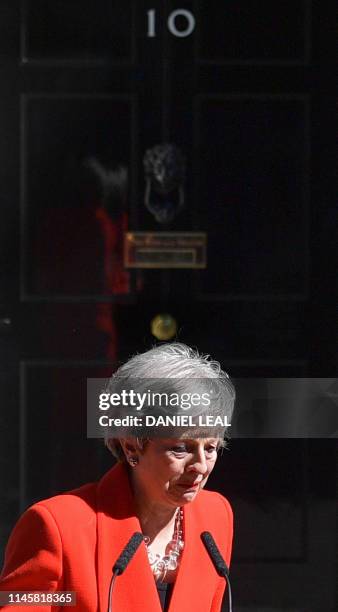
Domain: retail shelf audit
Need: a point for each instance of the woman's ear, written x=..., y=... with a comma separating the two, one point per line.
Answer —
x=129, y=447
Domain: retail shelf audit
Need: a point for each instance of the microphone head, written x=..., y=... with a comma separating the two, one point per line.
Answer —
x=214, y=554
x=127, y=553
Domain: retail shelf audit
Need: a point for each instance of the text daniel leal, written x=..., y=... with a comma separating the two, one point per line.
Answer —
x=181, y=420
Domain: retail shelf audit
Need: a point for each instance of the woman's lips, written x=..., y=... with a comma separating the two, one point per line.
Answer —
x=189, y=485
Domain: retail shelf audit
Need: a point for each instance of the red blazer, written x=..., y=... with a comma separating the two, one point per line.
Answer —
x=70, y=543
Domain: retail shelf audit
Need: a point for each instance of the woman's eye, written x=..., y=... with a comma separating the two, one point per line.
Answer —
x=183, y=449
x=179, y=449
x=211, y=449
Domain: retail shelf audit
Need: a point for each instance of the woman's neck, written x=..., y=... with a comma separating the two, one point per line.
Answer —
x=154, y=517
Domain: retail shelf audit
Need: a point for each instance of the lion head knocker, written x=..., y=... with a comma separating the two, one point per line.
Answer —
x=164, y=167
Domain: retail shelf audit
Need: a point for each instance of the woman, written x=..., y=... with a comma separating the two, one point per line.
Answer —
x=70, y=542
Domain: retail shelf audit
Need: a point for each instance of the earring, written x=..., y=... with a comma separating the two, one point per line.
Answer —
x=133, y=461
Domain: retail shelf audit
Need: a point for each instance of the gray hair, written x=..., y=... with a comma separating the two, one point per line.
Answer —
x=175, y=361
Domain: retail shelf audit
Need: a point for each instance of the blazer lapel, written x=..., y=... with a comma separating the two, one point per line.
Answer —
x=116, y=523
x=196, y=578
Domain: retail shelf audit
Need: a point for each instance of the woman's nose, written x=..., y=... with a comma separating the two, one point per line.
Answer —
x=199, y=464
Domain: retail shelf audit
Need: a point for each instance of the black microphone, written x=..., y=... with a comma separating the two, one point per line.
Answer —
x=127, y=553
x=123, y=560
x=218, y=561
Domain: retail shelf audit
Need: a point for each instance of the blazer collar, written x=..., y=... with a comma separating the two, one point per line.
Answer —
x=116, y=523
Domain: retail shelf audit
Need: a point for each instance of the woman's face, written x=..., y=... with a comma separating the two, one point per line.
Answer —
x=172, y=471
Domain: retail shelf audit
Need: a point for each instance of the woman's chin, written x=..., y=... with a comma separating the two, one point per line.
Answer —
x=186, y=495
